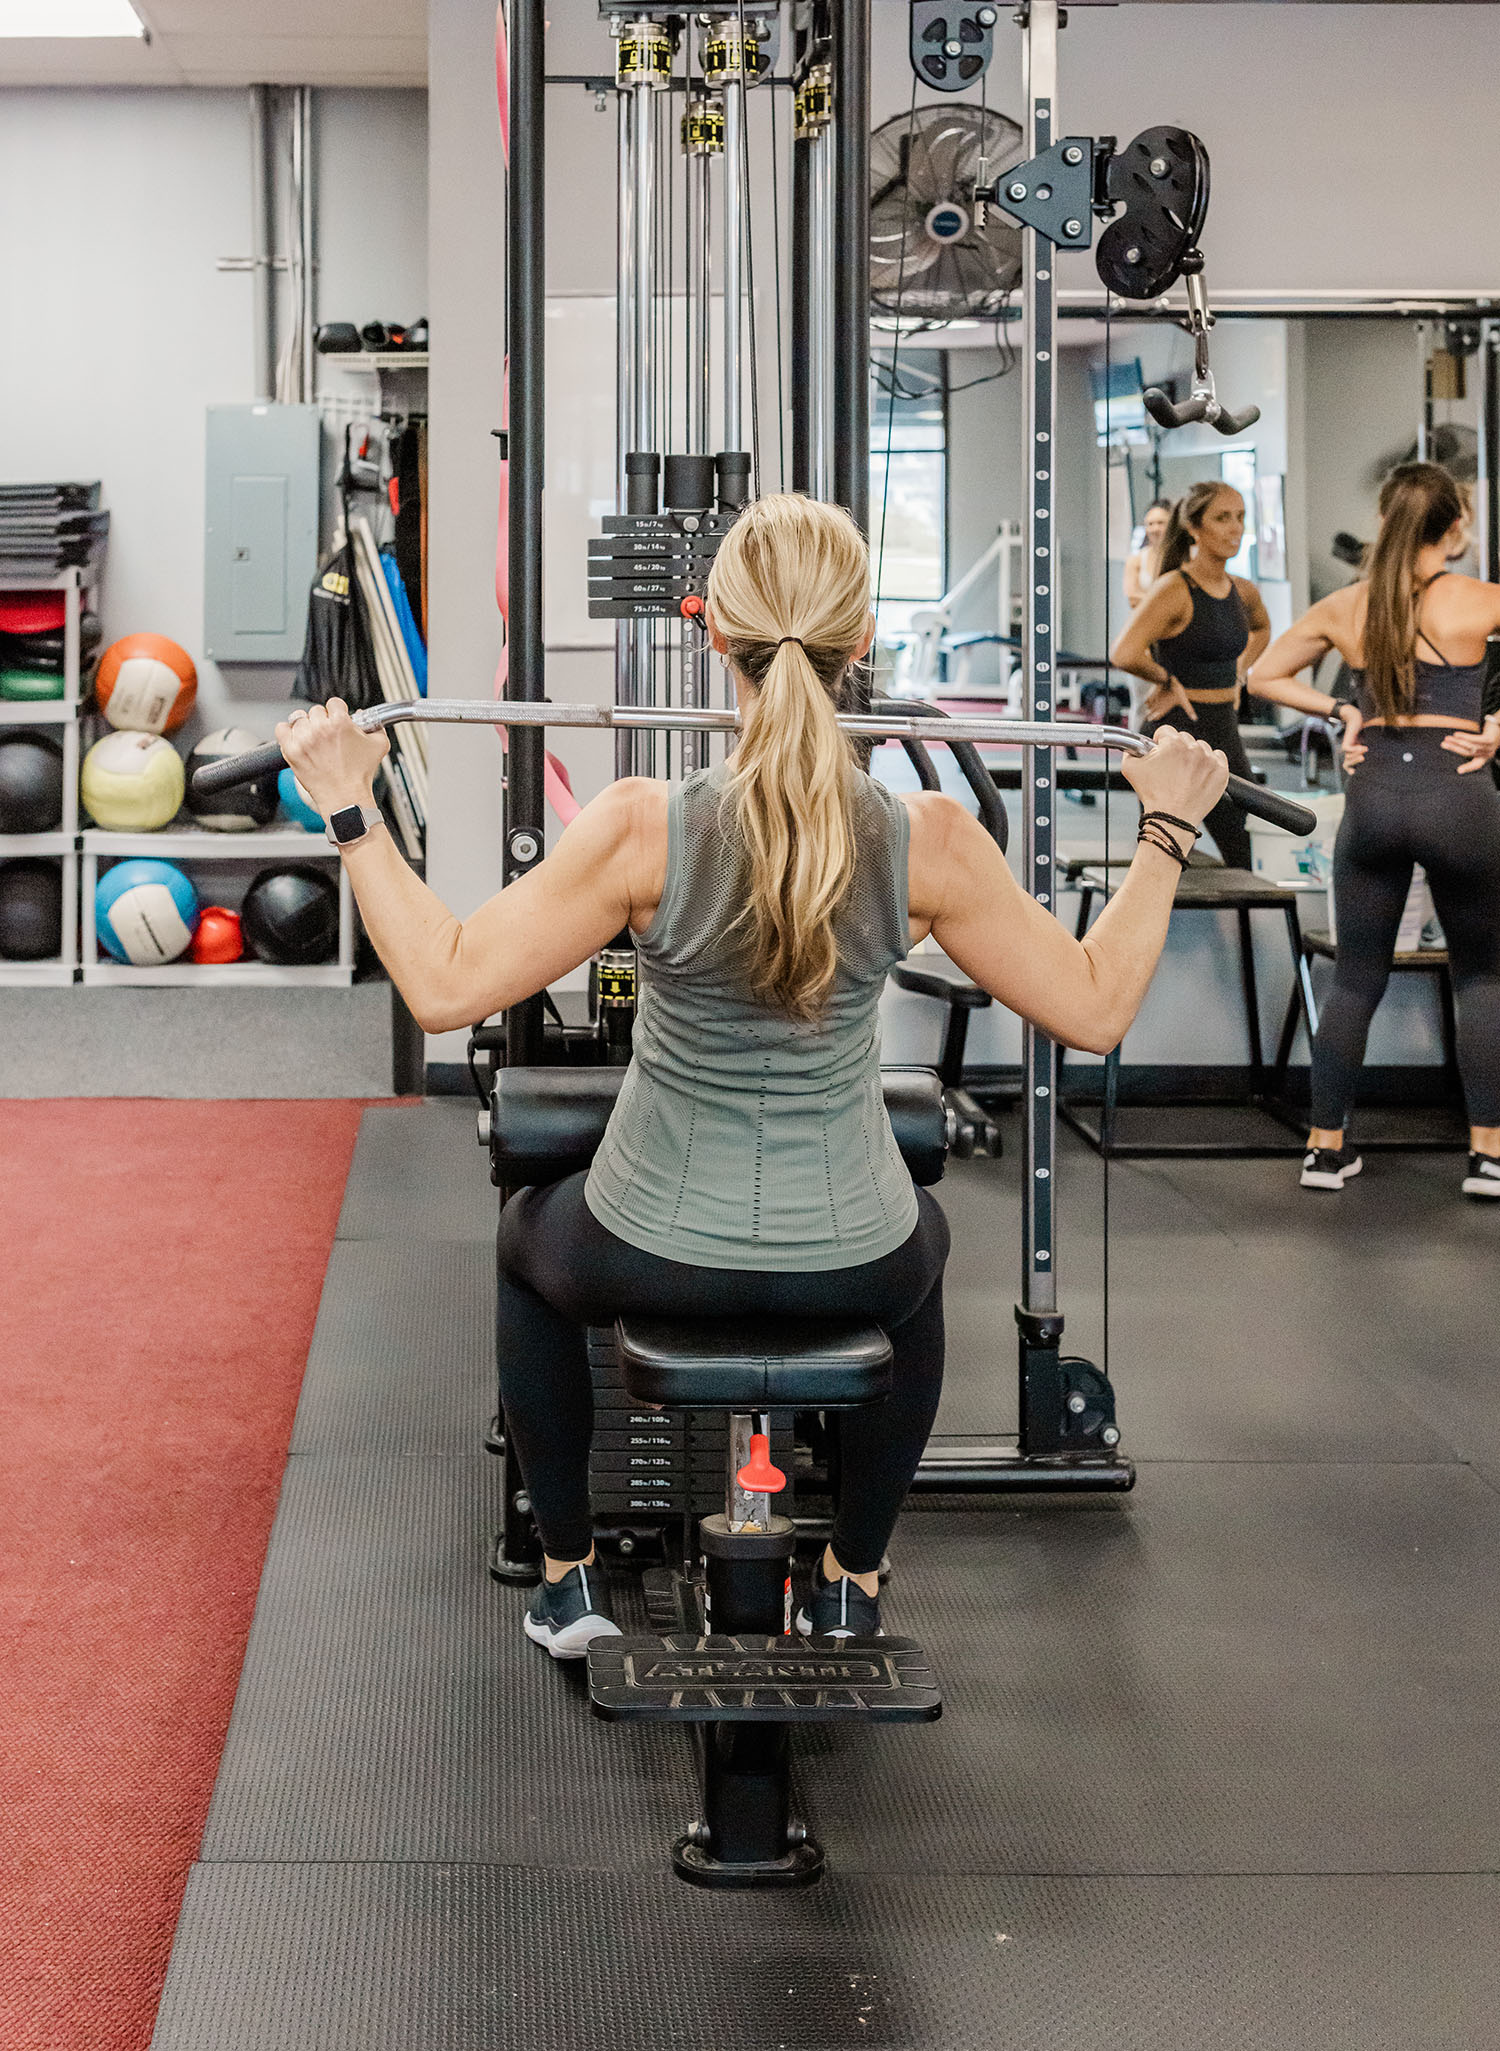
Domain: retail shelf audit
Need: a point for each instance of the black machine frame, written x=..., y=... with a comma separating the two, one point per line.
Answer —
x=1066, y=183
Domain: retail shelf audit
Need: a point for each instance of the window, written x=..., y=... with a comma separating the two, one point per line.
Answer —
x=909, y=494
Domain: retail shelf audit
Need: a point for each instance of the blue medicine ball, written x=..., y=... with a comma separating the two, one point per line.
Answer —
x=145, y=912
x=297, y=805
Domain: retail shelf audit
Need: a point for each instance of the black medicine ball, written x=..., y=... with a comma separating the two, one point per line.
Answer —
x=31, y=782
x=245, y=807
x=30, y=910
x=291, y=916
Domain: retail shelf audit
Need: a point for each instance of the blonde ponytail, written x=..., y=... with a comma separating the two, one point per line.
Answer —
x=790, y=592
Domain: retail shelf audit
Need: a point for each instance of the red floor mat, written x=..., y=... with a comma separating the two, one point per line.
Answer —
x=160, y=1267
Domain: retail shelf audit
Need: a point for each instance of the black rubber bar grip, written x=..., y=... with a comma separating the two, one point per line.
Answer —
x=1271, y=806
x=213, y=777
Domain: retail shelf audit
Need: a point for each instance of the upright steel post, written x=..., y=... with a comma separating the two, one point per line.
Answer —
x=525, y=291
x=702, y=140
x=851, y=257
x=1489, y=450
x=1039, y=614
x=801, y=295
x=700, y=252
x=625, y=440
x=734, y=237
x=643, y=156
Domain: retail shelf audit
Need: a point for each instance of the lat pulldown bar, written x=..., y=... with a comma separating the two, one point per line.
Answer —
x=1271, y=806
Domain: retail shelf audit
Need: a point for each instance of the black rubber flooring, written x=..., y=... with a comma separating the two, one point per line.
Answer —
x=1216, y=1762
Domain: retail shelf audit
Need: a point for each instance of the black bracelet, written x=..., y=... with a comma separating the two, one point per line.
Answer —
x=1171, y=819
x=1149, y=836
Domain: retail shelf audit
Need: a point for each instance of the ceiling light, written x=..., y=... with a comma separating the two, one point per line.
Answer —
x=69, y=18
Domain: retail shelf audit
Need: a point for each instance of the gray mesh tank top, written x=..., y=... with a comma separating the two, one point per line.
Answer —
x=742, y=1138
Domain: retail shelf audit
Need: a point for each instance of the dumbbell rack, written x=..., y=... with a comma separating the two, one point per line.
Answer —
x=191, y=846
x=63, y=713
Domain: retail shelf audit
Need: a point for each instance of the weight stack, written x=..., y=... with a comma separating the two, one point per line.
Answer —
x=650, y=1465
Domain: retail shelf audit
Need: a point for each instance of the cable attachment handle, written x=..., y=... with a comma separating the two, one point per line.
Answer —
x=1203, y=403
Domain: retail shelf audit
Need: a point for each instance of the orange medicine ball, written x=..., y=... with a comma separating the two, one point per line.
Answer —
x=146, y=684
x=218, y=937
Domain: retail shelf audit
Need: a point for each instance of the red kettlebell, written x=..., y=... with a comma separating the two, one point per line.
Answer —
x=218, y=938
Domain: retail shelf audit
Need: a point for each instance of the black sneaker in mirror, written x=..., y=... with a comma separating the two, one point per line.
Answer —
x=1329, y=1167
x=1483, y=1178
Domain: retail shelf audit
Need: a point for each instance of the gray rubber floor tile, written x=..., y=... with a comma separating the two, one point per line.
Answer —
x=390, y=1706
x=1253, y=1669
x=444, y=1958
x=419, y=1173
x=403, y=1354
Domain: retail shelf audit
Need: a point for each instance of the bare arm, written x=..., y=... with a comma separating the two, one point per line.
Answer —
x=605, y=870
x=1084, y=993
x=1165, y=611
x=1275, y=675
x=1135, y=583
x=1259, y=622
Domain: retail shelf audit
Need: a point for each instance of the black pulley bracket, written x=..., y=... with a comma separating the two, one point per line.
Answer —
x=952, y=42
x=1161, y=181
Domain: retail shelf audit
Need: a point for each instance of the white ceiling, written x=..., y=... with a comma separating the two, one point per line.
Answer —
x=238, y=42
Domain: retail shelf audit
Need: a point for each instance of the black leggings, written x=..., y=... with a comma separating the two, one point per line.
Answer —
x=1219, y=725
x=560, y=1271
x=1407, y=803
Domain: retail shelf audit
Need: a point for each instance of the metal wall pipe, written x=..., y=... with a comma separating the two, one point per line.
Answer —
x=801, y=295
x=302, y=151
x=262, y=240
x=825, y=483
x=625, y=290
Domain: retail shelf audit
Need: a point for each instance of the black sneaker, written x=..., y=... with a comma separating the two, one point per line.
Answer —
x=839, y=1609
x=1483, y=1178
x=1329, y=1167
x=567, y=1615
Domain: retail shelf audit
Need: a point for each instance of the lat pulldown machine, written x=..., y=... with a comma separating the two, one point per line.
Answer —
x=724, y=1662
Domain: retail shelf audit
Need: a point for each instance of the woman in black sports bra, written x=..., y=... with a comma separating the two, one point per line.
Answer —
x=1194, y=637
x=1414, y=638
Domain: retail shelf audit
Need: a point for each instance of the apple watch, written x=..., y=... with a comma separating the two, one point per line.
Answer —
x=351, y=824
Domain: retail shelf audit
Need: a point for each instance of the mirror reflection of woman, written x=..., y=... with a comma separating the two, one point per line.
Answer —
x=1413, y=635
x=1143, y=564
x=1194, y=638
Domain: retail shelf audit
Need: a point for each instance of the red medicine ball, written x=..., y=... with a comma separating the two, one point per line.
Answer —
x=218, y=937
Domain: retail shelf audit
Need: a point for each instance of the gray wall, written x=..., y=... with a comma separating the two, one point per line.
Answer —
x=120, y=333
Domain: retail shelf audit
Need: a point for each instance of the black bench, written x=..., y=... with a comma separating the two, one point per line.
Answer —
x=742, y=1674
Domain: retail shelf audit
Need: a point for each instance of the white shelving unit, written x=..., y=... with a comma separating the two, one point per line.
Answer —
x=63, y=712
x=195, y=844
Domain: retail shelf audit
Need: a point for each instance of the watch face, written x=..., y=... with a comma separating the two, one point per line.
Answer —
x=349, y=824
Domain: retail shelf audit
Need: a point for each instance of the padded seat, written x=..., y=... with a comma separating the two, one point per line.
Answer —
x=754, y=1363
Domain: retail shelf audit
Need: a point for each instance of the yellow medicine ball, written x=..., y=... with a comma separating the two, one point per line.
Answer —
x=132, y=782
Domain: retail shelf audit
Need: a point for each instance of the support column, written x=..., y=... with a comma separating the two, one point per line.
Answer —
x=525, y=286
x=1039, y=614
x=851, y=257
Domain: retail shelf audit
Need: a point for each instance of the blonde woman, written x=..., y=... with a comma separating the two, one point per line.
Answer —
x=749, y=1168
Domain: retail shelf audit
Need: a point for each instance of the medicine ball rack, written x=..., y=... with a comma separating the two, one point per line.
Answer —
x=62, y=717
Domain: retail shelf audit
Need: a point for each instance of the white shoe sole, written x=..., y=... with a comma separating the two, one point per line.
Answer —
x=573, y=1641
x=1482, y=1185
x=1322, y=1178
x=804, y=1626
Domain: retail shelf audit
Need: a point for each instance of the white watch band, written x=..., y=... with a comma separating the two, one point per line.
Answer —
x=372, y=818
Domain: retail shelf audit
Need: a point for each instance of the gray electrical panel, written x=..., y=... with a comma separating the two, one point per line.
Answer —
x=262, y=530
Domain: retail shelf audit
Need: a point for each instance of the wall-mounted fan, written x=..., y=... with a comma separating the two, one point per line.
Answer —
x=936, y=254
